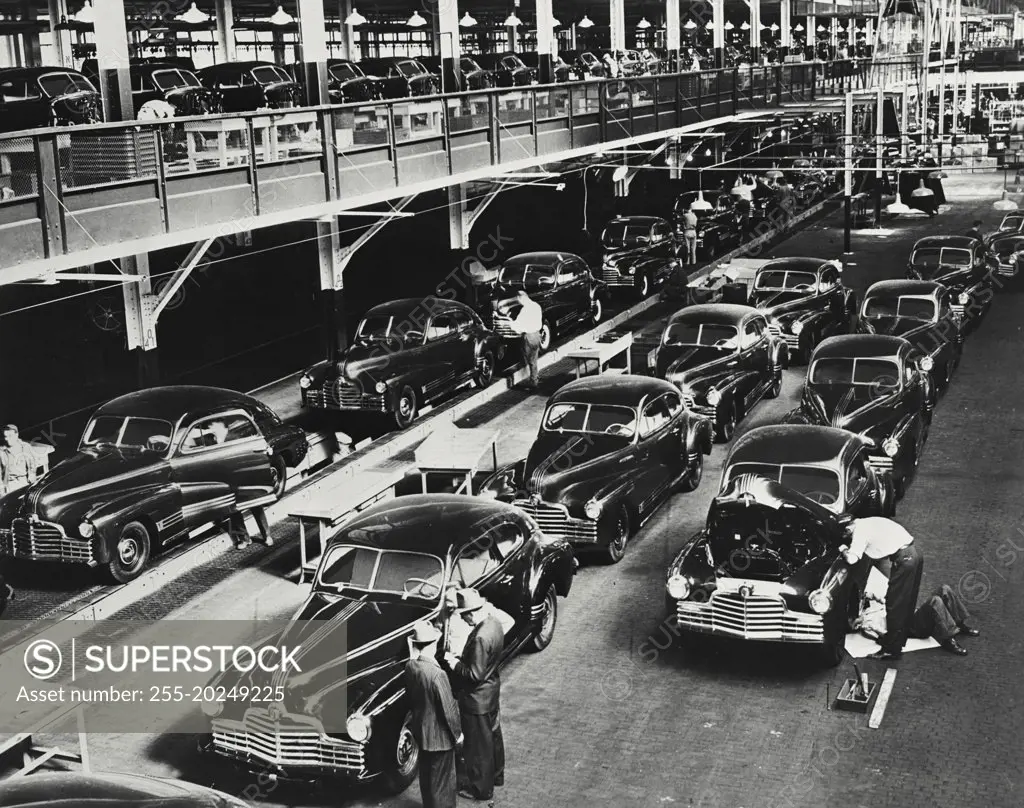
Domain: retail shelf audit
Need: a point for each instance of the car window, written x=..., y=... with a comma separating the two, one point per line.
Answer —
x=568, y=272
x=507, y=538
x=18, y=90
x=829, y=277
x=219, y=430
x=674, y=402
x=654, y=417
x=856, y=477
x=475, y=562
x=461, y=319
x=440, y=327
x=246, y=80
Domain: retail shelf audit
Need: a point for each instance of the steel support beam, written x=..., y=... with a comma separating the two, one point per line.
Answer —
x=180, y=276
x=313, y=50
x=547, y=45
x=112, y=60
x=348, y=50
x=617, y=10
x=444, y=20
x=785, y=25
x=718, y=31
x=462, y=216
x=673, y=34
x=140, y=318
x=225, y=15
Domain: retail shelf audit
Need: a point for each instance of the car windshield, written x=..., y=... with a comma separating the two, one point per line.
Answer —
x=57, y=84
x=1012, y=223
x=525, y=276
x=913, y=308
x=716, y=336
x=411, y=68
x=818, y=484
x=847, y=371
x=934, y=258
x=469, y=66
x=127, y=431
x=173, y=79
x=780, y=279
x=345, y=71
x=625, y=234
x=1007, y=247
x=593, y=419
x=269, y=74
x=513, y=63
x=385, y=572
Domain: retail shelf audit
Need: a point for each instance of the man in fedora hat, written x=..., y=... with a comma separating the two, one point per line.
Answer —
x=435, y=718
x=479, y=697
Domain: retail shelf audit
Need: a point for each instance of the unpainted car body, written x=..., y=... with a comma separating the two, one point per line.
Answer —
x=37, y=97
x=250, y=86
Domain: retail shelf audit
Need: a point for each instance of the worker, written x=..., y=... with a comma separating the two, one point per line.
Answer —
x=458, y=629
x=528, y=324
x=18, y=463
x=942, y=616
x=879, y=538
x=690, y=235
x=975, y=231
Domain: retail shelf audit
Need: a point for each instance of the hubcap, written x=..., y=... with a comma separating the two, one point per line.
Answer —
x=547, y=620
x=128, y=551
x=485, y=368
x=621, y=531
x=405, y=407
x=406, y=752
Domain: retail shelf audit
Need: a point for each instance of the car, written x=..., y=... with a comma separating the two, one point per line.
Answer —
x=723, y=358
x=610, y=450
x=1011, y=223
x=1007, y=249
x=804, y=300
x=508, y=69
x=588, y=64
x=250, y=86
x=561, y=70
x=151, y=466
x=474, y=77
x=346, y=83
x=959, y=263
x=720, y=223
x=767, y=566
x=922, y=313
x=77, y=789
x=401, y=77
x=346, y=714
x=568, y=293
x=155, y=80
x=807, y=187
x=640, y=253
x=406, y=353
x=879, y=387
x=37, y=97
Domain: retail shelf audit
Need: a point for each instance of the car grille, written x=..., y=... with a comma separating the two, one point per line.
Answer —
x=751, y=618
x=611, y=276
x=689, y=401
x=776, y=330
x=502, y=326
x=958, y=309
x=792, y=340
x=289, y=741
x=555, y=522
x=341, y=394
x=44, y=541
x=882, y=462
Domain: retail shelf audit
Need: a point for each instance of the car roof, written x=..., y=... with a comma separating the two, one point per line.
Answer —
x=714, y=313
x=548, y=257
x=946, y=241
x=387, y=60
x=20, y=72
x=612, y=389
x=639, y=219
x=905, y=287
x=860, y=345
x=427, y=523
x=172, y=402
x=225, y=67
x=406, y=305
x=799, y=444
x=802, y=263
x=71, y=789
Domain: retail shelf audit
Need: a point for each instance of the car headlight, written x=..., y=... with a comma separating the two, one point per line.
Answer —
x=381, y=387
x=820, y=601
x=592, y=509
x=678, y=587
x=631, y=270
x=86, y=529
x=796, y=328
x=358, y=727
x=891, y=446
x=927, y=364
x=305, y=382
x=714, y=397
x=964, y=298
x=212, y=708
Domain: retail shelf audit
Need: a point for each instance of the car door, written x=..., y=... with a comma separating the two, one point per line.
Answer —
x=833, y=300
x=221, y=463
x=509, y=587
x=232, y=95
x=250, y=92
x=479, y=566
x=654, y=465
x=862, y=489
x=465, y=338
x=22, y=105
x=441, y=351
x=755, y=357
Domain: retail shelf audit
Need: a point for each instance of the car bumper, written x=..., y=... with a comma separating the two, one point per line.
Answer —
x=44, y=541
x=335, y=396
x=556, y=523
x=753, y=618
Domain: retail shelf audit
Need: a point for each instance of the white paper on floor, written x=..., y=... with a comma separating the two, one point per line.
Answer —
x=858, y=646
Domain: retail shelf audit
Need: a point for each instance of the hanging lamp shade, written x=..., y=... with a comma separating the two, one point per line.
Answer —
x=86, y=15
x=921, y=191
x=798, y=27
x=774, y=27
x=774, y=174
x=689, y=25
x=416, y=21
x=281, y=17
x=512, y=21
x=644, y=24
x=556, y=23
x=586, y=22
x=1004, y=203
x=822, y=29
x=193, y=16
x=710, y=25
x=728, y=25
x=355, y=18
x=745, y=26
x=467, y=21
x=700, y=203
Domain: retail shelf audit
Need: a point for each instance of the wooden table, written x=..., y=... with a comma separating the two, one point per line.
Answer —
x=601, y=353
x=460, y=452
x=269, y=125
x=334, y=500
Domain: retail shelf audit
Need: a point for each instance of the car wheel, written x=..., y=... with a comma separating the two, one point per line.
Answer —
x=776, y=386
x=545, y=336
x=406, y=407
x=548, y=620
x=403, y=760
x=280, y=475
x=131, y=553
x=596, y=310
x=694, y=474
x=725, y=428
x=484, y=370
x=643, y=288
x=617, y=527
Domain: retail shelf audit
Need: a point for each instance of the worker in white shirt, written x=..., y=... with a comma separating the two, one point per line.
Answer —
x=529, y=323
x=942, y=616
x=882, y=539
x=459, y=630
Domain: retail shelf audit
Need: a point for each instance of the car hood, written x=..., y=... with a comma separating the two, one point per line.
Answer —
x=947, y=276
x=362, y=358
x=557, y=461
x=906, y=327
x=769, y=300
x=77, y=108
x=851, y=408
x=282, y=93
x=191, y=100
x=676, y=360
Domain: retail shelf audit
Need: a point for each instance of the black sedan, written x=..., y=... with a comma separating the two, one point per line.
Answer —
x=961, y=264
x=720, y=223
x=609, y=451
x=561, y=70
x=1011, y=223
x=401, y=77
x=78, y=790
x=508, y=69
x=346, y=83
x=151, y=466
x=1007, y=250
x=474, y=77
x=346, y=714
x=767, y=567
x=249, y=86
x=878, y=387
x=805, y=301
x=640, y=253
x=174, y=83
x=406, y=353
x=922, y=313
x=34, y=97
x=723, y=358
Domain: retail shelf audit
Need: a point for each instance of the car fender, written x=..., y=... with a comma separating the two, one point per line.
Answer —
x=555, y=562
x=151, y=505
x=608, y=493
x=287, y=441
x=489, y=342
x=700, y=436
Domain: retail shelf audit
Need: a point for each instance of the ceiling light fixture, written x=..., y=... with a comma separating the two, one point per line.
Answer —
x=586, y=22
x=416, y=21
x=467, y=21
x=86, y=15
x=355, y=18
x=643, y=24
x=512, y=21
x=689, y=25
x=193, y=16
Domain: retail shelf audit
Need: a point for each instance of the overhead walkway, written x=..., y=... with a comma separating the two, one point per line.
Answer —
x=84, y=195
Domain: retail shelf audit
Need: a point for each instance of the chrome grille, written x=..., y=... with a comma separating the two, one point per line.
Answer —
x=503, y=327
x=343, y=395
x=689, y=401
x=555, y=522
x=957, y=308
x=881, y=461
x=44, y=541
x=755, y=617
x=611, y=276
x=792, y=340
x=775, y=330
x=290, y=741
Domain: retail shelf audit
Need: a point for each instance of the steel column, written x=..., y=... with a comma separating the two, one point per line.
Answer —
x=547, y=45
x=140, y=318
x=718, y=31
x=673, y=35
x=332, y=284
x=112, y=60
x=313, y=50
x=617, y=10
x=225, y=16
x=848, y=172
